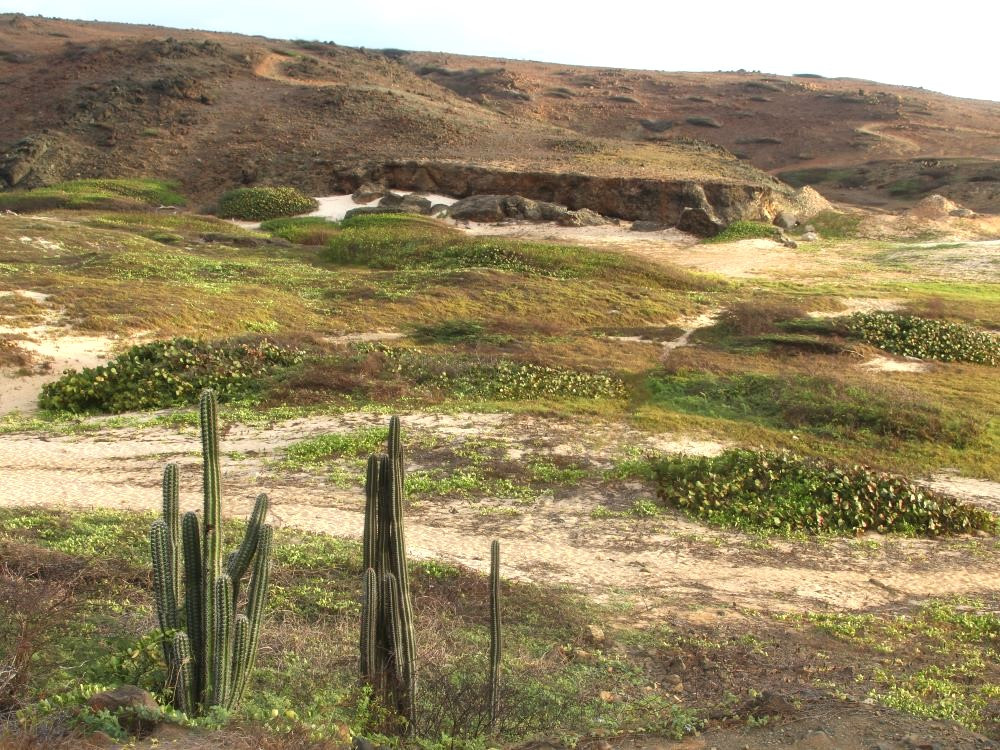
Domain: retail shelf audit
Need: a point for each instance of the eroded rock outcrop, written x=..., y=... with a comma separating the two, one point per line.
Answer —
x=631, y=198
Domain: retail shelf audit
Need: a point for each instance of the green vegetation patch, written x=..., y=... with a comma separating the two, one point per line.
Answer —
x=262, y=203
x=318, y=450
x=823, y=406
x=392, y=241
x=745, y=230
x=303, y=230
x=169, y=373
x=926, y=338
x=500, y=379
x=94, y=194
x=785, y=493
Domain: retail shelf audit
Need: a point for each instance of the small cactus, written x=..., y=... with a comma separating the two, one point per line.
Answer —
x=496, y=649
x=209, y=648
x=386, y=643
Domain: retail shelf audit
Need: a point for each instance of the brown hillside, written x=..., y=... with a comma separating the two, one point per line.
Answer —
x=217, y=110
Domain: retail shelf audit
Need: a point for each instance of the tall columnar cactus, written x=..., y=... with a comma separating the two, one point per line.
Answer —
x=209, y=648
x=386, y=644
x=496, y=649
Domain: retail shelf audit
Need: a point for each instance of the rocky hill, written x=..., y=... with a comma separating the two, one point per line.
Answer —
x=217, y=110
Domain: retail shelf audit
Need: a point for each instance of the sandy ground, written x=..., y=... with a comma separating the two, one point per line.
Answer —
x=658, y=562
x=55, y=349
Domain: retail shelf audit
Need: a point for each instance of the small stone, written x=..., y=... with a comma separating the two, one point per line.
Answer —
x=603, y=745
x=596, y=633
x=607, y=697
x=137, y=710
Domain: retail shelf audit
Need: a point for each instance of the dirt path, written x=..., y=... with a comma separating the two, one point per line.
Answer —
x=660, y=562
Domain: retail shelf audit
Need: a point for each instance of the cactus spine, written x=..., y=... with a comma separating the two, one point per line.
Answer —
x=210, y=659
x=386, y=643
x=496, y=650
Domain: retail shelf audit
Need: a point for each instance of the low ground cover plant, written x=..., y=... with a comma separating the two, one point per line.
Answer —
x=745, y=230
x=169, y=373
x=757, y=490
x=500, y=379
x=926, y=338
x=94, y=194
x=261, y=203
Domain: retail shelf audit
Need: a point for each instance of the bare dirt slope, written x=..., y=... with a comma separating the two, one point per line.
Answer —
x=98, y=99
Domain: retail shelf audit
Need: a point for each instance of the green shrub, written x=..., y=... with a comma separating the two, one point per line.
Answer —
x=262, y=203
x=926, y=338
x=168, y=373
x=745, y=230
x=305, y=230
x=782, y=492
x=94, y=194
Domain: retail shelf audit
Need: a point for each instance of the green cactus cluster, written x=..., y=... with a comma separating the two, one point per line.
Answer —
x=209, y=647
x=386, y=643
x=387, y=650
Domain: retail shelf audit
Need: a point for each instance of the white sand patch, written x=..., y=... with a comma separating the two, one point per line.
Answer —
x=884, y=364
x=690, y=325
x=981, y=492
x=335, y=207
x=54, y=351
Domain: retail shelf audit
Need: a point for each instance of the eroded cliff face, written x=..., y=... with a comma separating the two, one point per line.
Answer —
x=630, y=198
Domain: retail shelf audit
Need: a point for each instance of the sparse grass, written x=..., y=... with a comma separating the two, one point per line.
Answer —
x=304, y=230
x=93, y=194
x=833, y=225
x=313, y=452
x=306, y=681
x=824, y=406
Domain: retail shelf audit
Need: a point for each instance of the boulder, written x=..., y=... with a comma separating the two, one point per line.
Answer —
x=584, y=217
x=699, y=222
x=786, y=220
x=391, y=200
x=657, y=126
x=439, y=209
x=20, y=159
x=962, y=213
x=415, y=204
x=368, y=192
x=136, y=709
x=810, y=237
x=494, y=208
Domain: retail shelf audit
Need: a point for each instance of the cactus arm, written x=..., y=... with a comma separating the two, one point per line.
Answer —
x=241, y=657
x=256, y=601
x=164, y=593
x=187, y=684
x=172, y=517
x=211, y=559
x=496, y=649
x=369, y=620
x=191, y=536
x=370, y=534
x=222, y=652
x=238, y=563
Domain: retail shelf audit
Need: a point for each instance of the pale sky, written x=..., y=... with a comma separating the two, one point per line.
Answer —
x=952, y=47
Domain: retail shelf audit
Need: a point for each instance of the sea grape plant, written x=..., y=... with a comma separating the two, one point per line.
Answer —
x=209, y=648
